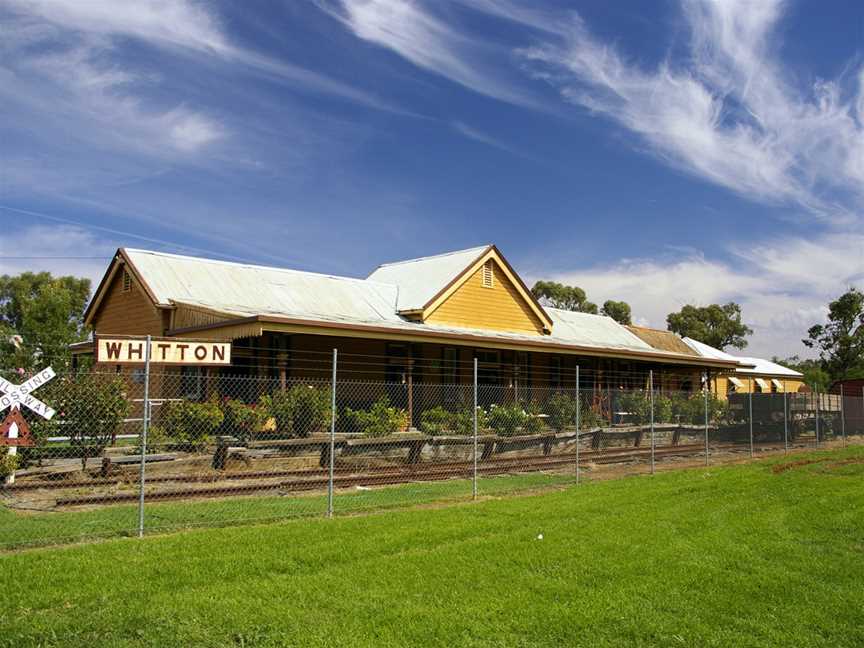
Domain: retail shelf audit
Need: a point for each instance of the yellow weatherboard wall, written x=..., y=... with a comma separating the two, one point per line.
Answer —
x=499, y=308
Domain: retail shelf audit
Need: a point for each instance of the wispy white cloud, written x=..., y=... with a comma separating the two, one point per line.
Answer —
x=59, y=249
x=97, y=90
x=783, y=287
x=185, y=26
x=484, y=138
x=418, y=35
x=727, y=114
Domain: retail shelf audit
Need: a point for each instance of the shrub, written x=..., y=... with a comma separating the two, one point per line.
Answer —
x=436, y=421
x=157, y=440
x=8, y=464
x=637, y=405
x=192, y=423
x=510, y=420
x=299, y=411
x=663, y=409
x=90, y=408
x=463, y=421
x=590, y=417
x=241, y=420
x=562, y=411
x=379, y=420
x=678, y=408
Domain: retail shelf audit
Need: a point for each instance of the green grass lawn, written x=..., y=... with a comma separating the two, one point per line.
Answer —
x=726, y=556
x=19, y=529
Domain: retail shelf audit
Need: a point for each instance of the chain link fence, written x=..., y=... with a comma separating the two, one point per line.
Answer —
x=149, y=451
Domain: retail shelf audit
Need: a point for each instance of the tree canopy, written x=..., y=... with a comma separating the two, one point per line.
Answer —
x=40, y=316
x=815, y=376
x=717, y=325
x=840, y=341
x=557, y=295
x=617, y=310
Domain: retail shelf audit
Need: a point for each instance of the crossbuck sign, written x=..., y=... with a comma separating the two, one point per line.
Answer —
x=15, y=396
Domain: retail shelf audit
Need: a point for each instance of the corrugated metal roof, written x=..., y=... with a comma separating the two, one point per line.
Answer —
x=238, y=287
x=765, y=367
x=592, y=330
x=760, y=365
x=242, y=290
x=419, y=280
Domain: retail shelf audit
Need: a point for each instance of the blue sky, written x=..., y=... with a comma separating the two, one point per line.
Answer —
x=662, y=153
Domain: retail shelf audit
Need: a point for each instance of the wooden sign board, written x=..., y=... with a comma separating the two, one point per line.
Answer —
x=162, y=351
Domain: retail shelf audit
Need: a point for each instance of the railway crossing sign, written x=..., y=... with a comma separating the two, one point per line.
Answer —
x=14, y=430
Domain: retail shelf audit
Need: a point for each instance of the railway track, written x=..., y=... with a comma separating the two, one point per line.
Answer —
x=308, y=480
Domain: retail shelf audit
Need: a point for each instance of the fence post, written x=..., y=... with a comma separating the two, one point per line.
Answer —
x=842, y=416
x=145, y=427
x=750, y=408
x=651, y=389
x=705, y=389
x=785, y=419
x=474, y=471
x=332, y=453
x=578, y=422
x=817, y=418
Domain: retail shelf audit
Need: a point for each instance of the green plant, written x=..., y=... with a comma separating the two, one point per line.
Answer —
x=463, y=421
x=590, y=417
x=299, y=411
x=90, y=408
x=157, y=440
x=241, y=420
x=510, y=420
x=8, y=464
x=436, y=421
x=192, y=423
x=379, y=420
x=533, y=424
x=562, y=409
x=439, y=420
x=637, y=405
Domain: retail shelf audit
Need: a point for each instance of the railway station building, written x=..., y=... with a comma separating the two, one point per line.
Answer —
x=419, y=321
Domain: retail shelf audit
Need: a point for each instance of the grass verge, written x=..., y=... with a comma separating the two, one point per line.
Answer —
x=744, y=555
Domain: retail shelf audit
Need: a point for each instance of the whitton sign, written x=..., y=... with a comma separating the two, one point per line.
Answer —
x=179, y=352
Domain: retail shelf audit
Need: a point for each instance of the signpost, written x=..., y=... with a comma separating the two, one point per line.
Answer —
x=14, y=431
x=148, y=351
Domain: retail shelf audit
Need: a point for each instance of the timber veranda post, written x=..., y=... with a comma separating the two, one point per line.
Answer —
x=578, y=422
x=145, y=427
x=332, y=452
x=651, y=391
x=474, y=470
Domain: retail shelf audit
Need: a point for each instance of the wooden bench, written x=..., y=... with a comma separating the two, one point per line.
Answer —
x=289, y=447
x=521, y=442
x=108, y=463
x=412, y=442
